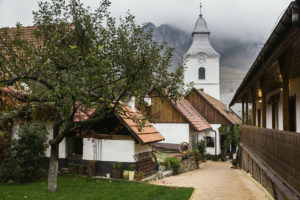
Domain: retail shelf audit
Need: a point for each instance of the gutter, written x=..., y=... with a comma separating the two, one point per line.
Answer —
x=290, y=17
x=215, y=141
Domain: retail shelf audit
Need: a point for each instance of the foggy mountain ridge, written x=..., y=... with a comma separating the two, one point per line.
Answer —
x=237, y=56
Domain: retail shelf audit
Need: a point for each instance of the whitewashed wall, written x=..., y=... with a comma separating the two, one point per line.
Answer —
x=212, y=150
x=138, y=148
x=211, y=83
x=174, y=133
x=62, y=145
x=111, y=150
x=294, y=90
x=269, y=110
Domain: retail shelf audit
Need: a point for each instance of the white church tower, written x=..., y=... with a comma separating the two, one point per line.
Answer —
x=201, y=61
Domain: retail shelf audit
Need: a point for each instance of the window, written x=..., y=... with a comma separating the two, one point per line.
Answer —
x=210, y=141
x=201, y=73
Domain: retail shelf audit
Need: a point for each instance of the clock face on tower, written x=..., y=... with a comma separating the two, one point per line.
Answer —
x=201, y=58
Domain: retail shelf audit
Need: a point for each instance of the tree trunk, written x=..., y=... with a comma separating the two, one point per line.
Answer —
x=53, y=169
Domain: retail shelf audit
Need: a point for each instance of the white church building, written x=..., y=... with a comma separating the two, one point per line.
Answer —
x=203, y=105
x=201, y=62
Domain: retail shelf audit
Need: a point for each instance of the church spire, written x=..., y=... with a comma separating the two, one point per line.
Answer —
x=201, y=9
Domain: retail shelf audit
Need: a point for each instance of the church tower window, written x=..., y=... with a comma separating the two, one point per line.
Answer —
x=201, y=73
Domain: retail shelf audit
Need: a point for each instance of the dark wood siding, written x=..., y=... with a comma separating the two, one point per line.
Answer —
x=278, y=149
x=207, y=110
x=163, y=111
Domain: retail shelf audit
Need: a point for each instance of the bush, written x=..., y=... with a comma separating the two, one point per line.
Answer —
x=26, y=156
x=197, y=155
x=202, y=148
x=174, y=164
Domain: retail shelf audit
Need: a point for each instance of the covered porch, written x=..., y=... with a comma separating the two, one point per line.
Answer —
x=270, y=99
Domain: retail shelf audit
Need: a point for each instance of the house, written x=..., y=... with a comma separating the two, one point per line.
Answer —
x=215, y=112
x=115, y=139
x=270, y=145
x=178, y=122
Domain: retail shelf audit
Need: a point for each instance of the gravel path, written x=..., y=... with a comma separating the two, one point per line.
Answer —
x=217, y=181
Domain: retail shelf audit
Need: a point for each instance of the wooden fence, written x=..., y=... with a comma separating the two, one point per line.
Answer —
x=279, y=150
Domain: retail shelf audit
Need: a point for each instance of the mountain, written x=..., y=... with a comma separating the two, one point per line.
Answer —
x=236, y=56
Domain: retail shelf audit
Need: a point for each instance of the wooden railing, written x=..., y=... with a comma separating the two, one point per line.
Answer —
x=279, y=150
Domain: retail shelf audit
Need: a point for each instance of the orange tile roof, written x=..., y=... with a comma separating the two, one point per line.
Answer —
x=192, y=115
x=220, y=107
x=28, y=32
x=147, y=134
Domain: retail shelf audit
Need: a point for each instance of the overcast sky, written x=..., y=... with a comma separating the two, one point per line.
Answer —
x=243, y=19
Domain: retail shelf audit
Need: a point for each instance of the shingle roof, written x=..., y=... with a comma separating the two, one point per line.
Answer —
x=147, y=134
x=28, y=32
x=220, y=107
x=192, y=115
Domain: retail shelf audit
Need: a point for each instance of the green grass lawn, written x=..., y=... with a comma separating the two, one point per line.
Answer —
x=79, y=188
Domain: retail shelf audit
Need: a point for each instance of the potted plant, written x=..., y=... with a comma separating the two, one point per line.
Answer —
x=139, y=176
x=235, y=163
x=117, y=170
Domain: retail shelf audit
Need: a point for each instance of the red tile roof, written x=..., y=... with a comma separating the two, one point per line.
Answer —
x=192, y=115
x=147, y=134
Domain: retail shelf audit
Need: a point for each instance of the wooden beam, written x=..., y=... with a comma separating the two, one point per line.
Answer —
x=254, y=94
x=284, y=70
x=264, y=102
x=247, y=111
x=243, y=112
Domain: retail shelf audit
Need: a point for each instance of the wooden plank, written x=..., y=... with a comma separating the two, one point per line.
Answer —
x=280, y=150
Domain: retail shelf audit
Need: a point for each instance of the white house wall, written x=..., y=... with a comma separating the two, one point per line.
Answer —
x=138, y=148
x=62, y=145
x=174, y=133
x=294, y=91
x=202, y=134
x=110, y=150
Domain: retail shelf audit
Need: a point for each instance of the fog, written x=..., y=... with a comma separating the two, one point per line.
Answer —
x=241, y=19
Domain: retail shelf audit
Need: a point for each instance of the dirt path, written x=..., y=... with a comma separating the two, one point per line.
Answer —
x=217, y=181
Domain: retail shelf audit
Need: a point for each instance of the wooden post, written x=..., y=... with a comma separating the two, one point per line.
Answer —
x=253, y=106
x=264, y=102
x=243, y=112
x=284, y=70
x=247, y=111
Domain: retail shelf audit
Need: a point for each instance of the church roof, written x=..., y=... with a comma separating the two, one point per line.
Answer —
x=201, y=43
x=201, y=26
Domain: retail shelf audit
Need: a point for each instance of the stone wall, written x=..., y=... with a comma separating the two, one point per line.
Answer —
x=265, y=176
x=188, y=164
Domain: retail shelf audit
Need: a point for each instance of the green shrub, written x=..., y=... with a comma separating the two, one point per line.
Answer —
x=197, y=155
x=26, y=156
x=174, y=164
x=202, y=148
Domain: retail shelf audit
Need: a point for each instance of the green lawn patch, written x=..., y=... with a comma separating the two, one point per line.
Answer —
x=80, y=188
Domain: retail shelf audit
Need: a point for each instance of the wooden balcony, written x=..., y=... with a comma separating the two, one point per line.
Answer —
x=279, y=151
